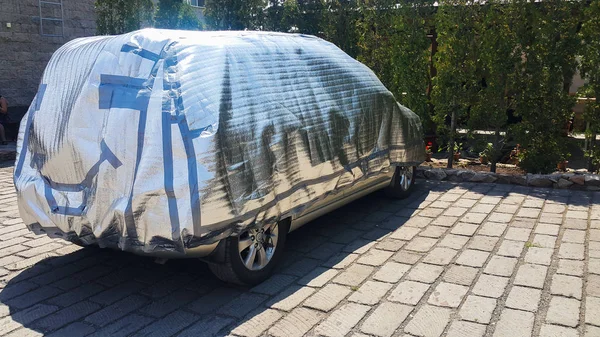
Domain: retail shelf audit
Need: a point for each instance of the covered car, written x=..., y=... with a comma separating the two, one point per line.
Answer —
x=167, y=143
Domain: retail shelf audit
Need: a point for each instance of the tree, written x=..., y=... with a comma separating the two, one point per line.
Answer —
x=340, y=25
x=456, y=83
x=176, y=14
x=122, y=16
x=497, y=66
x=590, y=69
x=412, y=56
x=235, y=14
x=548, y=43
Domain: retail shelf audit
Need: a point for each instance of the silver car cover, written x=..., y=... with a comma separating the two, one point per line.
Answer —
x=161, y=141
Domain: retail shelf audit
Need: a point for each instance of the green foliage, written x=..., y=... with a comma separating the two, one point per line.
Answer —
x=340, y=25
x=234, y=14
x=122, y=16
x=590, y=68
x=498, y=63
x=548, y=43
x=176, y=14
x=456, y=82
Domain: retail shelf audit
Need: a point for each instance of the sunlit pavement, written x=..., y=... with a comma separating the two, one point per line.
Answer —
x=454, y=260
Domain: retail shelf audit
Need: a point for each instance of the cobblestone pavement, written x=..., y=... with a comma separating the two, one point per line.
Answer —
x=454, y=260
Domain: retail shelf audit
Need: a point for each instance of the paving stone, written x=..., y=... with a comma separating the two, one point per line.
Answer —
x=537, y=255
x=297, y=323
x=594, y=234
x=390, y=245
x=433, y=232
x=421, y=244
x=501, y=266
x=431, y=212
x=328, y=297
x=570, y=267
x=511, y=248
x=563, y=311
x=454, y=241
x=425, y=273
x=510, y=209
x=242, y=305
x=574, y=224
x=500, y=217
x=65, y=316
x=407, y=257
x=514, y=323
x=467, y=203
x=461, y=275
x=574, y=236
x=554, y=208
x=465, y=229
x=374, y=257
x=440, y=204
x=529, y=212
x=550, y=330
x=447, y=295
x=594, y=266
x=456, y=211
x=25, y=317
x=531, y=275
x=418, y=221
x=208, y=326
x=547, y=229
x=210, y=302
x=474, y=218
x=576, y=215
x=544, y=241
x=440, y=256
x=593, y=285
x=405, y=233
x=492, y=229
x=318, y=277
x=462, y=329
x=341, y=321
x=472, y=258
x=409, y=292
x=518, y=234
x=354, y=275
x=391, y=272
x=370, y=292
x=572, y=251
x=386, y=318
x=339, y=261
x=126, y=326
x=592, y=331
x=478, y=309
x=592, y=310
x=484, y=243
x=568, y=286
x=257, y=323
x=359, y=246
x=290, y=298
x=490, y=286
x=429, y=321
x=274, y=284
x=523, y=298
x=445, y=221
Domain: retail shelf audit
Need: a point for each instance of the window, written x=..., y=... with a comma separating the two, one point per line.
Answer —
x=196, y=3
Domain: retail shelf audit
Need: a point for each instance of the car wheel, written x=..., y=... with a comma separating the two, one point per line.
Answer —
x=402, y=182
x=251, y=256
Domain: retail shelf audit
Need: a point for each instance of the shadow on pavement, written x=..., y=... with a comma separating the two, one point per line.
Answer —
x=108, y=293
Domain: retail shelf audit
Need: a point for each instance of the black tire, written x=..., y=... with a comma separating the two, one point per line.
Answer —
x=233, y=270
x=398, y=189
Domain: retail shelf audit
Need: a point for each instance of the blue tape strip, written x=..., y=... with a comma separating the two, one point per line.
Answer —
x=128, y=48
x=123, y=92
x=38, y=103
x=168, y=164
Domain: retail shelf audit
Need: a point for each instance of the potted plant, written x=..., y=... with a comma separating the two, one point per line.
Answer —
x=486, y=154
x=514, y=155
x=428, y=151
x=562, y=165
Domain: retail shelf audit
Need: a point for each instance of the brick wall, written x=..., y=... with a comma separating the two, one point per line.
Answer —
x=24, y=52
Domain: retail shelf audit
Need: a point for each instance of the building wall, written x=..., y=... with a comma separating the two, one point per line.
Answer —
x=24, y=52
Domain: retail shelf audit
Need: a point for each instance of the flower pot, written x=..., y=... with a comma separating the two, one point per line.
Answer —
x=483, y=160
x=456, y=157
x=428, y=157
x=562, y=166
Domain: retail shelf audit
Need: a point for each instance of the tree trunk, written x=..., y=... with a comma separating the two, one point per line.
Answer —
x=494, y=156
x=452, y=139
